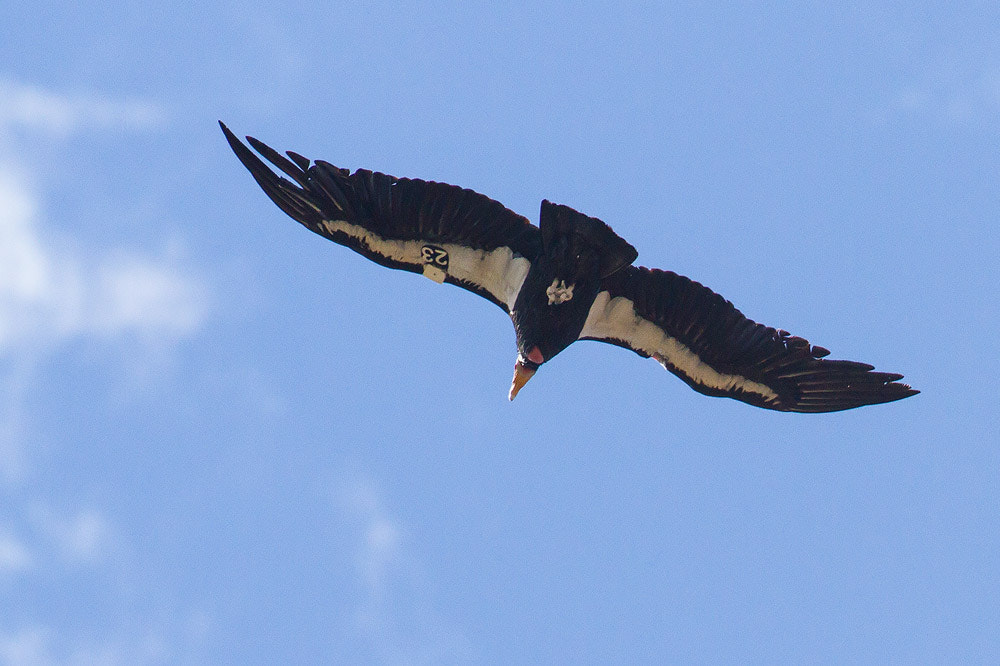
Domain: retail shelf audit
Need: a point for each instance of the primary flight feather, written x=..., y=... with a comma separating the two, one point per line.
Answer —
x=568, y=279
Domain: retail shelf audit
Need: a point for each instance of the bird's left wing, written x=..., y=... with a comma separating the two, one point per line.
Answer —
x=703, y=339
x=444, y=232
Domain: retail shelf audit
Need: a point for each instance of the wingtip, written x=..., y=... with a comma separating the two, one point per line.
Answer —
x=234, y=143
x=294, y=170
x=295, y=201
x=258, y=145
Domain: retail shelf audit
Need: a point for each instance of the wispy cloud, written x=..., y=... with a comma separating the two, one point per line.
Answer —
x=83, y=538
x=15, y=377
x=32, y=108
x=55, y=546
x=52, y=290
x=379, y=547
x=956, y=90
x=42, y=645
x=395, y=615
x=28, y=647
x=55, y=289
x=14, y=555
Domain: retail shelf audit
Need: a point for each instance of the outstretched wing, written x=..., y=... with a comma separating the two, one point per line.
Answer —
x=703, y=339
x=447, y=233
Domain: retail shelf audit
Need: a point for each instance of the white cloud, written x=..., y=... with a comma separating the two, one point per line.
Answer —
x=39, y=288
x=55, y=290
x=149, y=296
x=32, y=108
x=52, y=291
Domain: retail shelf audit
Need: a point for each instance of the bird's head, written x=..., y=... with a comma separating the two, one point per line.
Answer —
x=524, y=369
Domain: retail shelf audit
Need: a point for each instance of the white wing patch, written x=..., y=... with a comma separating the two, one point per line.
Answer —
x=616, y=319
x=500, y=272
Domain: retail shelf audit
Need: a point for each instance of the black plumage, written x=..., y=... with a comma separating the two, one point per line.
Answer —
x=569, y=279
x=732, y=344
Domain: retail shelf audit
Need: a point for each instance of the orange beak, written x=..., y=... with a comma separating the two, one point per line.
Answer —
x=522, y=374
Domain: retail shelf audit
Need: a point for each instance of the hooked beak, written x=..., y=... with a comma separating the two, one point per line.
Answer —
x=522, y=374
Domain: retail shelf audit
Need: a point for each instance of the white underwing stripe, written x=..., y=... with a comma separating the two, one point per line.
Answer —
x=500, y=272
x=616, y=319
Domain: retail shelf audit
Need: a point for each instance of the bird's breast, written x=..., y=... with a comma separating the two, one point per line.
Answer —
x=550, y=312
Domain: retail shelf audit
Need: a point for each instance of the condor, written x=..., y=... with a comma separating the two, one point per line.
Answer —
x=571, y=278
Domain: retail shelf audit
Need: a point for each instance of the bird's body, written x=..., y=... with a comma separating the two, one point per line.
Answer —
x=568, y=279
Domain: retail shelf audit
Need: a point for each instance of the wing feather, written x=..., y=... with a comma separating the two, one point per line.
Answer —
x=448, y=233
x=707, y=342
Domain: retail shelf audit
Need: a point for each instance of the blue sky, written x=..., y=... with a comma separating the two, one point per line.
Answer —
x=226, y=440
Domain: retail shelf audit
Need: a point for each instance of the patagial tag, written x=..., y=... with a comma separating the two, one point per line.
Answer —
x=435, y=262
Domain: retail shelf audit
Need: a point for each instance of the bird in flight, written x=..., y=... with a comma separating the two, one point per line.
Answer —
x=570, y=278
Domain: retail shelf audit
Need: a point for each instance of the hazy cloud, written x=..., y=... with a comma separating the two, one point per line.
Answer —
x=395, y=614
x=57, y=543
x=14, y=555
x=52, y=290
x=82, y=538
x=955, y=90
x=14, y=381
x=55, y=289
x=29, y=107
x=41, y=645
x=28, y=647
x=51, y=539
x=378, y=551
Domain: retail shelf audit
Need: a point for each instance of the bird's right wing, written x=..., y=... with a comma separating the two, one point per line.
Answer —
x=444, y=232
x=703, y=339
